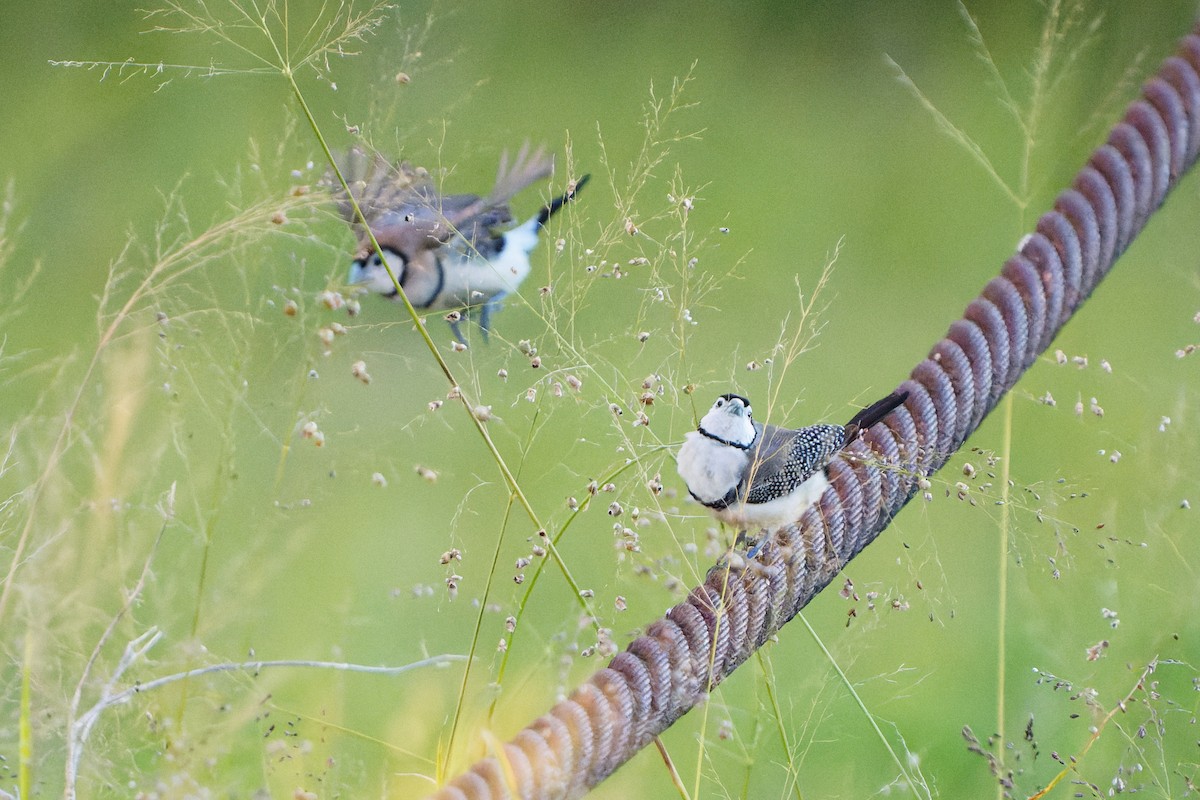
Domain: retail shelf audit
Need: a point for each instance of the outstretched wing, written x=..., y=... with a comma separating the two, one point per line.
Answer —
x=523, y=171
x=377, y=184
x=474, y=218
x=398, y=201
x=407, y=214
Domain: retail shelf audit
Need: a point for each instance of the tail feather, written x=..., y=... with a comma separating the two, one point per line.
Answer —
x=549, y=211
x=873, y=413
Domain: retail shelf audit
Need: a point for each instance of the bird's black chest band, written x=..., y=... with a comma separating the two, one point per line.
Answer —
x=715, y=438
x=721, y=503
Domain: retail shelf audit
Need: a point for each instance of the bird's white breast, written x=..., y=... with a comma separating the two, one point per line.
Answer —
x=778, y=512
x=710, y=469
x=471, y=280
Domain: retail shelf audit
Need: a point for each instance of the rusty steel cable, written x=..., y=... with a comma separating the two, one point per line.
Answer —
x=673, y=666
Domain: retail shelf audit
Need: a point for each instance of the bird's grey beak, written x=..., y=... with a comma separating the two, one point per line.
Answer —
x=737, y=409
x=356, y=271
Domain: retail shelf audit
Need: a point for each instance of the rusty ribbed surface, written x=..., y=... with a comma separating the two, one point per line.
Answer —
x=699, y=642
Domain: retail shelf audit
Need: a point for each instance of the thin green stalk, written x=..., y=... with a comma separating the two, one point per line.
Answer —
x=532, y=581
x=912, y=784
x=447, y=755
x=444, y=759
x=702, y=741
x=25, y=725
x=1038, y=85
x=777, y=712
x=718, y=621
x=1002, y=589
x=676, y=780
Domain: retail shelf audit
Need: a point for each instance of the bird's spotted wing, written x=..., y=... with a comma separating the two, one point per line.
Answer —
x=786, y=458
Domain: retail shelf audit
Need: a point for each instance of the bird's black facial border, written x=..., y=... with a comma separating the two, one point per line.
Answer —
x=374, y=261
x=731, y=396
x=720, y=402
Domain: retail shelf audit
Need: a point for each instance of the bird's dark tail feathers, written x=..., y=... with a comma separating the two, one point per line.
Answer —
x=560, y=201
x=873, y=414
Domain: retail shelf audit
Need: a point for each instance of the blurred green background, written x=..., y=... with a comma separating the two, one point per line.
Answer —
x=156, y=479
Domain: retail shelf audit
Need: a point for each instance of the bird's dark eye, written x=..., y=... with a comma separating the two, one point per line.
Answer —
x=374, y=260
x=720, y=402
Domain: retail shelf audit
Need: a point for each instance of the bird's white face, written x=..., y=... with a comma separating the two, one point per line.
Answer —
x=731, y=420
x=369, y=272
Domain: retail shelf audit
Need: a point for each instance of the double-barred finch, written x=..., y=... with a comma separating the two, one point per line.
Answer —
x=753, y=476
x=447, y=252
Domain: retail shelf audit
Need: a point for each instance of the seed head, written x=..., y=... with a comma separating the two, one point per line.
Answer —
x=331, y=300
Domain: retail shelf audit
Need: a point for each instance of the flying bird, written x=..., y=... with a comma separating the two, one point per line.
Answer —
x=451, y=252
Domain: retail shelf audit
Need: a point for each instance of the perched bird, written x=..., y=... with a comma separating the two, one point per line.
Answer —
x=751, y=475
x=447, y=252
